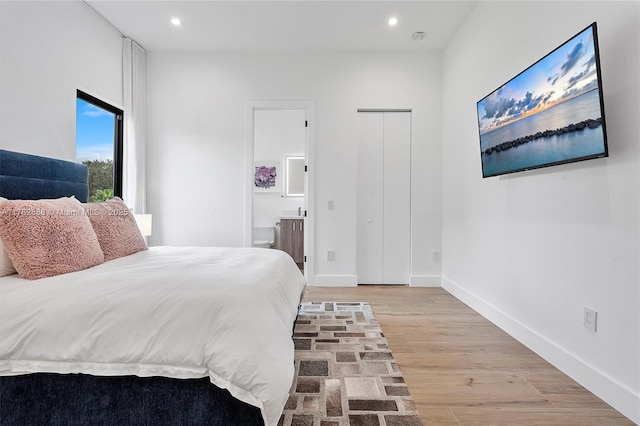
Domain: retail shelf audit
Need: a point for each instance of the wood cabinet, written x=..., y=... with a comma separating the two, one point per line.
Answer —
x=292, y=238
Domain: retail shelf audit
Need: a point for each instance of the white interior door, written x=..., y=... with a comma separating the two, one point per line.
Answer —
x=370, y=198
x=384, y=197
x=397, y=198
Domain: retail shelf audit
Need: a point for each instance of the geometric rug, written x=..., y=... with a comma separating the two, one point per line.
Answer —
x=345, y=373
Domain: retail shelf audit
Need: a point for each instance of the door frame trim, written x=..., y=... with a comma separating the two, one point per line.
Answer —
x=384, y=110
x=249, y=132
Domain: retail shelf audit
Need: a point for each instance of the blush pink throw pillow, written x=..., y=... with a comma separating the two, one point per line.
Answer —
x=116, y=228
x=48, y=237
x=6, y=266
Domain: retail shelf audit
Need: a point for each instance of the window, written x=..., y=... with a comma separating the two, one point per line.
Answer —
x=99, y=145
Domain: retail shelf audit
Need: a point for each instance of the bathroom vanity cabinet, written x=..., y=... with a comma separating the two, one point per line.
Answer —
x=292, y=238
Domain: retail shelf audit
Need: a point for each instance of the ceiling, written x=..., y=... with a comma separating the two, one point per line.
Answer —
x=285, y=26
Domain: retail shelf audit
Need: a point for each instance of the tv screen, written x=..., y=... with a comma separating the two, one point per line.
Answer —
x=551, y=113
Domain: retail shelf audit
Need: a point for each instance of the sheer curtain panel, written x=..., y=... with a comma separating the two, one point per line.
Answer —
x=135, y=125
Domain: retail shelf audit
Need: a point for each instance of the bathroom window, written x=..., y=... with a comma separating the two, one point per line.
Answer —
x=294, y=186
x=99, y=145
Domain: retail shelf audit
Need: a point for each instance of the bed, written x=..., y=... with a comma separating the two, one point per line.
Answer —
x=166, y=335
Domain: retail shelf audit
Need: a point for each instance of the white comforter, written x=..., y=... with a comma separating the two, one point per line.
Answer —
x=170, y=311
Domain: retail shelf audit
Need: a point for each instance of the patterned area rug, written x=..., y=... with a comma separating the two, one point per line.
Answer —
x=345, y=372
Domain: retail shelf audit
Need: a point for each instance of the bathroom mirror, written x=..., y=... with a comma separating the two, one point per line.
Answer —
x=294, y=186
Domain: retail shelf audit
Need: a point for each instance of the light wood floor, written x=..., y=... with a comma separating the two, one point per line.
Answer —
x=463, y=370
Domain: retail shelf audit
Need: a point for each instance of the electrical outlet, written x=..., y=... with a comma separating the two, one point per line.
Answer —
x=330, y=204
x=437, y=256
x=590, y=319
x=331, y=255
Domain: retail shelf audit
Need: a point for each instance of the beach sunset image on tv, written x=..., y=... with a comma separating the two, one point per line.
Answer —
x=551, y=113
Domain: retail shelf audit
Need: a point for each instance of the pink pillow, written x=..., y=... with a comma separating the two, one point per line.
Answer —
x=48, y=237
x=116, y=228
x=6, y=266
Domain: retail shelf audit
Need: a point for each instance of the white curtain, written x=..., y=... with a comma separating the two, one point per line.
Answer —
x=134, y=79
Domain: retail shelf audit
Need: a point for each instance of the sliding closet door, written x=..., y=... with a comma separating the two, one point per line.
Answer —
x=370, y=198
x=397, y=198
x=384, y=203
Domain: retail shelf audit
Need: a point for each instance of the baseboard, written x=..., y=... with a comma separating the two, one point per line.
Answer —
x=335, y=280
x=619, y=396
x=425, y=281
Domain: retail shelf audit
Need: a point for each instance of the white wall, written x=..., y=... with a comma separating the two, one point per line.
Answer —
x=531, y=250
x=278, y=134
x=48, y=50
x=195, y=148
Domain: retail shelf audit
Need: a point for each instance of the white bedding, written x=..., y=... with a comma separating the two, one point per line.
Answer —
x=179, y=312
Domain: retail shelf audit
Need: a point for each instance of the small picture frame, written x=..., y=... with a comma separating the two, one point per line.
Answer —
x=267, y=176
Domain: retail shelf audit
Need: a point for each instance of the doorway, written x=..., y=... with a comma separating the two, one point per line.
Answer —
x=278, y=150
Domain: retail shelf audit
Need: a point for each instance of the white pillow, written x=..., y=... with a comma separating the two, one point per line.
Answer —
x=6, y=266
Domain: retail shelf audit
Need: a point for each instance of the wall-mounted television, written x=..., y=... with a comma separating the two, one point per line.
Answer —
x=551, y=113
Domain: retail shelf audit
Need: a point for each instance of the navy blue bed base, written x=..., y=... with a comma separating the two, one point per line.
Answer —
x=76, y=400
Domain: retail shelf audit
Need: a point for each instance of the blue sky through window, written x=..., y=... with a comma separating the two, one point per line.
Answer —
x=95, y=129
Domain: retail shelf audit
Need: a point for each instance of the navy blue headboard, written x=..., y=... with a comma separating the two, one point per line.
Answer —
x=31, y=177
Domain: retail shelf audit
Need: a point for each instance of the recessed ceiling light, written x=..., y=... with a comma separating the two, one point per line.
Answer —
x=176, y=22
x=393, y=21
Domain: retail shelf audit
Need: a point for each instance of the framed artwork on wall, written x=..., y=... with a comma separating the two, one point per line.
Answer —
x=267, y=176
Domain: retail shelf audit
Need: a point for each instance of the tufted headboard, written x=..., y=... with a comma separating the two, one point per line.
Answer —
x=31, y=177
